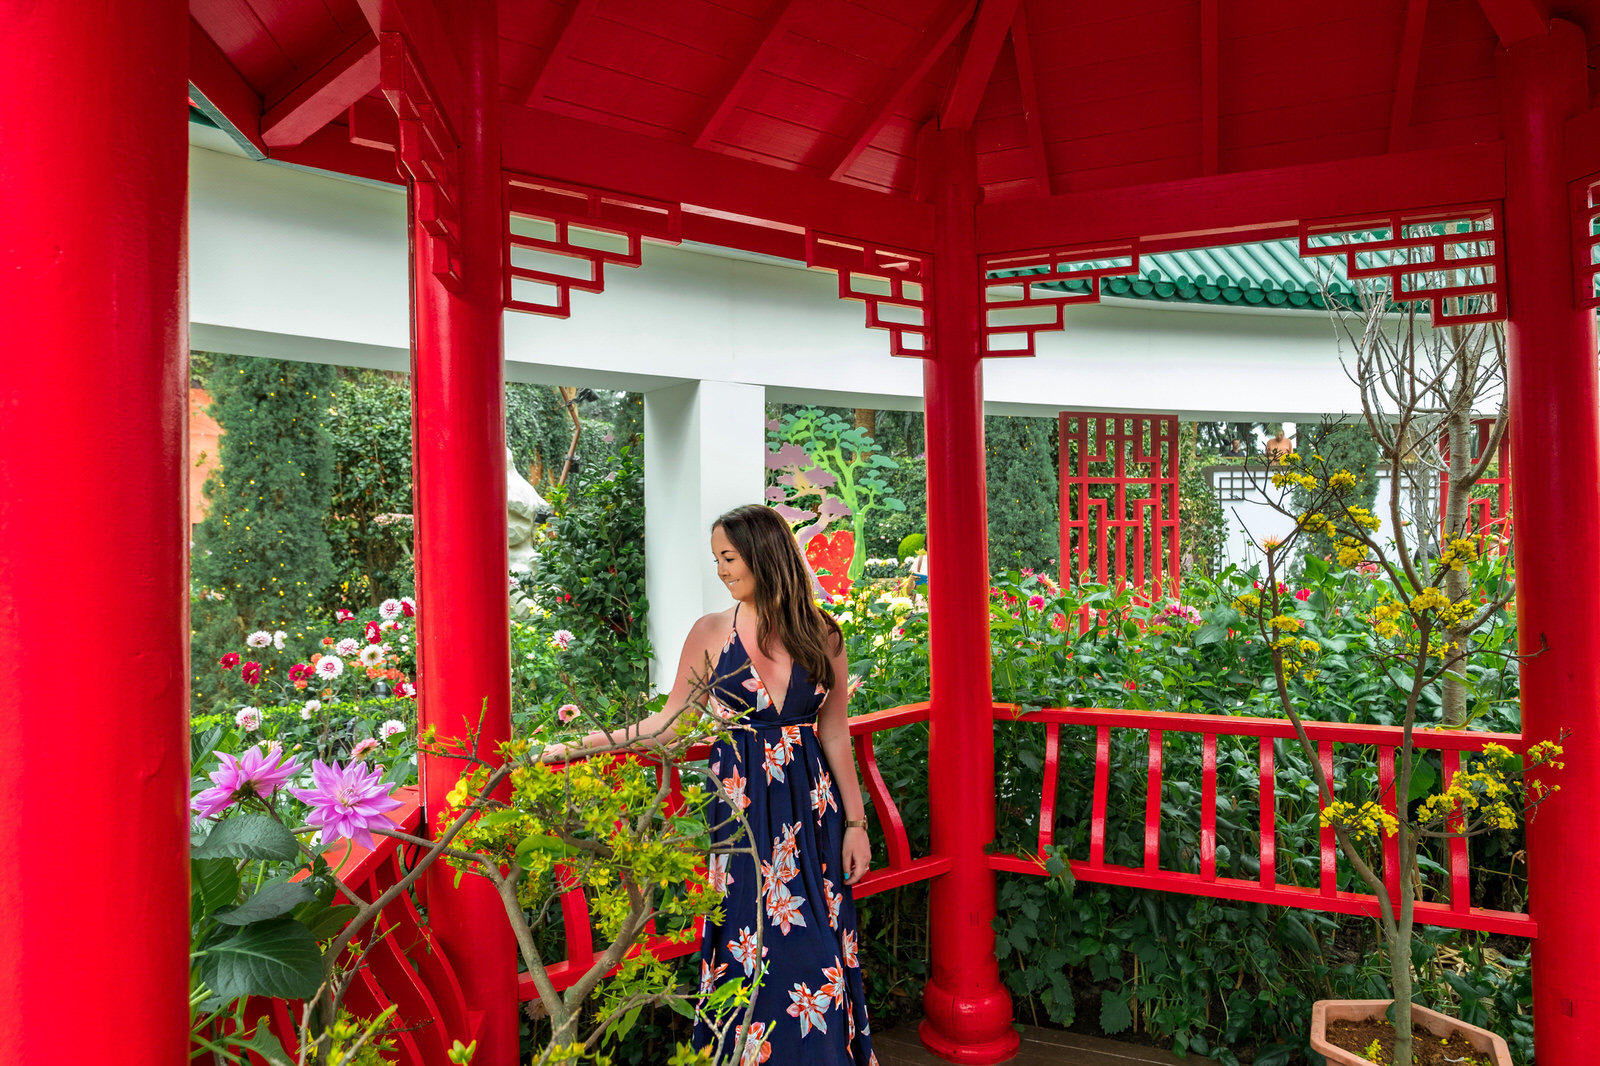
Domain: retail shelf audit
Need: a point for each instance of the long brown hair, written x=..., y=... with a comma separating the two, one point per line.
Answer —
x=784, y=607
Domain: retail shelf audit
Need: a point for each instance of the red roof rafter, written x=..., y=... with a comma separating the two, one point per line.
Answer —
x=910, y=71
x=774, y=24
x=424, y=30
x=977, y=64
x=1405, y=85
x=1022, y=48
x=1517, y=20
x=1209, y=76
x=220, y=90
x=568, y=26
x=297, y=110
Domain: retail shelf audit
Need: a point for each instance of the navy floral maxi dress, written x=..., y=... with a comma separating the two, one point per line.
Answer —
x=811, y=1008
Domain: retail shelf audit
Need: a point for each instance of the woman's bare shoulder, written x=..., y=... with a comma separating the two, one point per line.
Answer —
x=711, y=627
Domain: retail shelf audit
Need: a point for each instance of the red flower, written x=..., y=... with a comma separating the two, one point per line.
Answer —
x=1303, y=594
x=374, y=634
x=229, y=661
x=251, y=672
x=342, y=615
x=1131, y=686
x=299, y=670
x=406, y=608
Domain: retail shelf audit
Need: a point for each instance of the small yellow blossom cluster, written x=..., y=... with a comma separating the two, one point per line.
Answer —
x=1429, y=599
x=1486, y=793
x=1386, y=618
x=1247, y=603
x=1351, y=551
x=1342, y=481
x=1296, y=653
x=1316, y=522
x=1458, y=551
x=1359, y=820
x=1285, y=478
x=1362, y=517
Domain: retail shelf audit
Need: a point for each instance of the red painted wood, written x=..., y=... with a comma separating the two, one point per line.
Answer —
x=985, y=37
x=1267, y=814
x=323, y=95
x=894, y=284
x=224, y=92
x=1102, y=781
x=1127, y=540
x=1405, y=82
x=422, y=24
x=883, y=805
x=1208, y=807
x=1517, y=20
x=1152, y=806
x=1486, y=515
x=574, y=17
x=1018, y=308
x=1460, y=887
x=1327, y=840
x=92, y=106
x=1391, y=844
x=763, y=42
x=1052, y=769
x=1209, y=77
x=247, y=42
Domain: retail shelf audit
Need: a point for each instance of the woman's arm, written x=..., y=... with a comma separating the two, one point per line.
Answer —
x=833, y=733
x=694, y=667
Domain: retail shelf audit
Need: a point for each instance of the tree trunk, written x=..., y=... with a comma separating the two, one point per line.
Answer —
x=1456, y=582
x=867, y=419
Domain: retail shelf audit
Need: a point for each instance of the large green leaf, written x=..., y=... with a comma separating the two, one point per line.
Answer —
x=277, y=958
x=214, y=883
x=1114, y=1013
x=249, y=836
x=274, y=900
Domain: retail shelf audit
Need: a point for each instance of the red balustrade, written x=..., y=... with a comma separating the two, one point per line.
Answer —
x=404, y=967
x=1458, y=912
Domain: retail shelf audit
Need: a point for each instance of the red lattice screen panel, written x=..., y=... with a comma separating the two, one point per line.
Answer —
x=560, y=237
x=1453, y=257
x=426, y=154
x=1119, y=501
x=1018, y=306
x=894, y=284
x=1489, y=509
x=1586, y=241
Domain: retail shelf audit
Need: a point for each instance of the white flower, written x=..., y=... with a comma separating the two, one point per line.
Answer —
x=259, y=639
x=248, y=719
x=347, y=647
x=278, y=637
x=388, y=625
x=371, y=655
x=560, y=639
x=405, y=640
x=389, y=608
x=311, y=708
x=330, y=667
x=393, y=727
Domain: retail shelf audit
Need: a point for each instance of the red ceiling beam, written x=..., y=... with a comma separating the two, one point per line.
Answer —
x=424, y=29
x=297, y=111
x=222, y=94
x=1252, y=205
x=585, y=153
x=1022, y=47
x=774, y=24
x=1517, y=20
x=1209, y=136
x=1583, y=145
x=1405, y=82
x=911, y=69
x=567, y=28
x=977, y=64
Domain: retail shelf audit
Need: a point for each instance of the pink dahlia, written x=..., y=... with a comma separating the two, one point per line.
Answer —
x=1036, y=602
x=362, y=747
x=256, y=773
x=229, y=661
x=408, y=606
x=347, y=802
x=251, y=672
x=404, y=690
x=374, y=633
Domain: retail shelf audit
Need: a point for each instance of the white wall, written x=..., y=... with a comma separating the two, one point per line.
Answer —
x=1253, y=519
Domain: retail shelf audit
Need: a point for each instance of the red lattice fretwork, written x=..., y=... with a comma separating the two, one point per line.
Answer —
x=1489, y=508
x=1025, y=293
x=895, y=285
x=1119, y=501
x=426, y=154
x=1452, y=257
x=1586, y=243
x=560, y=237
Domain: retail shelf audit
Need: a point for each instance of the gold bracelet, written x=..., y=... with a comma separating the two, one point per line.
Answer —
x=855, y=823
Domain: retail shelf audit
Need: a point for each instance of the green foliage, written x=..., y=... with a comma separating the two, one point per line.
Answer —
x=592, y=580
x=262, y=543
x=840, y=461
x=369, y=427
x=1024, y=498
x=1202, y=525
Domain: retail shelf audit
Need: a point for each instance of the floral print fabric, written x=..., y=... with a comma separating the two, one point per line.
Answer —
x=811, y=1007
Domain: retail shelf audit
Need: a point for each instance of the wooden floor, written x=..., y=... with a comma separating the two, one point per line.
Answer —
x=1040, y=1047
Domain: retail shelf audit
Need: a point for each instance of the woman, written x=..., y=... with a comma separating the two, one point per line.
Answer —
x=779, y=668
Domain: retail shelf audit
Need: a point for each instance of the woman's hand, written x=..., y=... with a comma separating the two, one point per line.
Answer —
x=857, y=854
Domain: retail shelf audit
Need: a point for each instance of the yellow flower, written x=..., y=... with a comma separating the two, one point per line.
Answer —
x=1429, y=599
x=1343, y=481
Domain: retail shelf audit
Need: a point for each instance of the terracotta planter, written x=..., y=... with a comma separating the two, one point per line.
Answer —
x=1423, y=1020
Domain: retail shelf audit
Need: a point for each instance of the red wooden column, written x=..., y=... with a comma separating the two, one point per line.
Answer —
x=94, y=576
x=968, y=1010
x=1555, y=427
x=460, y=485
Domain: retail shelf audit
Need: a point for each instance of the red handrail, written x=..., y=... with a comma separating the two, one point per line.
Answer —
x=1458, y=912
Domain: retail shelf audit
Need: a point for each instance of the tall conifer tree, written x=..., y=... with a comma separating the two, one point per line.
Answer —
x=262, y=542
x=1024, y=501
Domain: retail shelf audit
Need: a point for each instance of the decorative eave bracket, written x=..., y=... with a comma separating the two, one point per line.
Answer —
x=1017, y=305
x=426, y=153
x=896, y=286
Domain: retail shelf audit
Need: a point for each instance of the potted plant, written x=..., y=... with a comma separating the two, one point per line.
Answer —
x=1424, y=634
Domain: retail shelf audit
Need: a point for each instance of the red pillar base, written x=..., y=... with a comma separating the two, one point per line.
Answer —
x=976, y=1030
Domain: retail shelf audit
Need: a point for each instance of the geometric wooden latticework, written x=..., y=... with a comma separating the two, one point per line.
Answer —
x=426, y=153
x=1489, y=509
x=559, y=237
x=1454, y=257
x=896, y=286
x=1119, y=501
x=1586, y=245
x=1019, y=305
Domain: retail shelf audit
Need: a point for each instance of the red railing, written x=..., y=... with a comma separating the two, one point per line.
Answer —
x=1458, y=912
x=404, y=967
x=902, y=868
